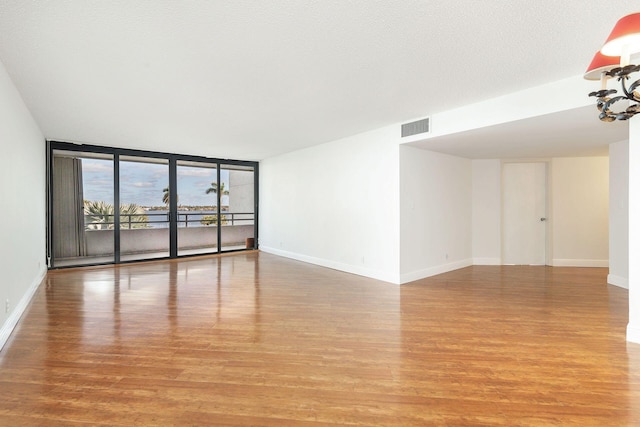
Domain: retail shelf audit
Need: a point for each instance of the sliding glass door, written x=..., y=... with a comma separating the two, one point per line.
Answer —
x=83, y=219
x=197, y=184
x=237, y=207
x=111, y=205
x=144, y=208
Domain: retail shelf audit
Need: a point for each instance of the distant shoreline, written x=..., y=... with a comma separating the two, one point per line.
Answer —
x=185, y=208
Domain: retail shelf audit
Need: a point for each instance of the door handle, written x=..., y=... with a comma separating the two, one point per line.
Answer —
x=543, y=219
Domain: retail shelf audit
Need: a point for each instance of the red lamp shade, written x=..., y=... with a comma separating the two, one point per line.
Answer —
x=625, y=37
x=599, y=64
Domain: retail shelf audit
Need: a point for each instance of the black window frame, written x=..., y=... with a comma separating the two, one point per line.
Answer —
x=172, y=159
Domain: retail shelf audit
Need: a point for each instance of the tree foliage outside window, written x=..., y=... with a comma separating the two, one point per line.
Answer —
x=214, y=189
x=213, y=220
x=99, y=215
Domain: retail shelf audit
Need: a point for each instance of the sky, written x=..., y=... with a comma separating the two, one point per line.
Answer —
x=142, y=183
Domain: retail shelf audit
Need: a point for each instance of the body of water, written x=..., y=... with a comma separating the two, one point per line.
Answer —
x=160, y=219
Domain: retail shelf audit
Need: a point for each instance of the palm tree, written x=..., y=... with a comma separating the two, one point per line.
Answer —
x=214, y=189
x=165, y=196
x=213, y=220
x=133, y=216
x=100, y=216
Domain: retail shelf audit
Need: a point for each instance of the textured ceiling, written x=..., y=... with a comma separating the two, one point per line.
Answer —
x=252, y=79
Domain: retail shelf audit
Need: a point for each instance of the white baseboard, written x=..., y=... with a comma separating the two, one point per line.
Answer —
x=432, y=271
x=621, y=282
x=580, y=263
x=348, y=268
x=633, y=333
x=11, y=322
x=487, y=261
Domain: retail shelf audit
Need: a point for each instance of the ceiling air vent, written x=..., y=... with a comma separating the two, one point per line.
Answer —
x=414, y=128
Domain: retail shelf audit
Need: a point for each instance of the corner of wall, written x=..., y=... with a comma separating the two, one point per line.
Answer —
x=487, y=261
x=347, y=268
x=23, y=230
x=580, y=263
x=621, y=282
x=433, y=271
x=633, y=333
x=12, y=321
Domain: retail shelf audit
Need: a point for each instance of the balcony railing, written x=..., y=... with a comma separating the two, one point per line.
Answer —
x=139, y=235
x=162, y=219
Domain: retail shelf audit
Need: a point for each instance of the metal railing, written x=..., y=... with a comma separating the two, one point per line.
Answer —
x=210, y=218
x=162, y=219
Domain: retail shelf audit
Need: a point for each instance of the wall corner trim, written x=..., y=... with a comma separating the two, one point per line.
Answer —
x=633, y=333
x=347, y=268
x=13, y=319
x=619, y=281
x=487, y=261
x=580, y=263
x=432, y=271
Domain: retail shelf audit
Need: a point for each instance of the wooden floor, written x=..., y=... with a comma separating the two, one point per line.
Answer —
x=258, y=340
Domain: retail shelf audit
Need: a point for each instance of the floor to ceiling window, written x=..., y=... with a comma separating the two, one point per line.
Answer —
x=82, y=210
x=237, y=200
x=197, y=207
x=144, y=216
x=112, y=205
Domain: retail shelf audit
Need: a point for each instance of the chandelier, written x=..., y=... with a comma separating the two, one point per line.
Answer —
x=612, y=62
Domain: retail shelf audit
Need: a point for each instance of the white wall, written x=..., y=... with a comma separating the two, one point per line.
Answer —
x=557, y=96
x=22, y=217
x=633, y=328
x=486, y=212
x=435, y=213
x=579, y=211
x=335, y=205
x=619, y=214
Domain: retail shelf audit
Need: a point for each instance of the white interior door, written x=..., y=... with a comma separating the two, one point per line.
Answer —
x=524, y=217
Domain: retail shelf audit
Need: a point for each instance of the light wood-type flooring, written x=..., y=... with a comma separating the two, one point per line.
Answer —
x=258, y=340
